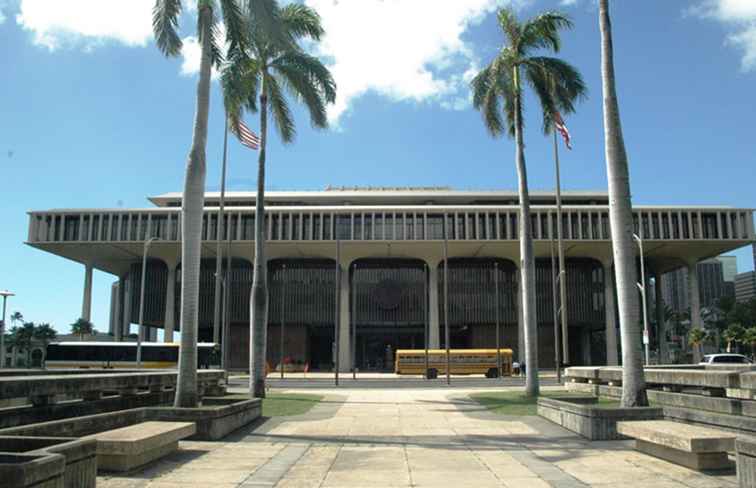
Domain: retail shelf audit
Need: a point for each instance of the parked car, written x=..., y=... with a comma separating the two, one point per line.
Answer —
x=725, y=359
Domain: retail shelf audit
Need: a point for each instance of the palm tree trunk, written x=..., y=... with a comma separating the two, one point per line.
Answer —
x=259, y=299
x=621, y=223
x=187, y=394
x=527, y=260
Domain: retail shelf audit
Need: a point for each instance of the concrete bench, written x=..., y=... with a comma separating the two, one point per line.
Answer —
x=691, y=446
x=130, y=447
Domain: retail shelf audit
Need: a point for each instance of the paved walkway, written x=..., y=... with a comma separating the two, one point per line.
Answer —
x=403, y=438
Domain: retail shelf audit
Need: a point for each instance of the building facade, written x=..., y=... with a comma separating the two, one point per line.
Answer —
x=712, y=284
x=745, y=286
x=393, y=249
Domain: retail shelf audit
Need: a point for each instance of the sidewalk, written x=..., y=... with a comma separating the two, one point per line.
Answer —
x=403, y=438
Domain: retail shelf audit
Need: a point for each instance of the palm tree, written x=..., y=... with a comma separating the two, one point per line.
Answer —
x=165, y=19
x=734, y=333
x=696, y=338
x=24, y=338
x=16, y=317
x=262, y=72
x=45, y=334
x=82, y=327
x=557, y=85
x=621, y=224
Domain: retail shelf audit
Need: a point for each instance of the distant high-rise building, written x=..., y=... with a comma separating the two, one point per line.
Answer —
x=745, y=286
x=729, y=267
x=711, y=284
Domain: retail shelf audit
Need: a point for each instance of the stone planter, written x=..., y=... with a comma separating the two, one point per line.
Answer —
x=32, y=470
x=583, y=416
x=80, y=456
x=216, y=418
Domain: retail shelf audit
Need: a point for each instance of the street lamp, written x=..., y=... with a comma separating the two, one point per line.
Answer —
x=140, y=335
x=5, y=294
x=642, y=288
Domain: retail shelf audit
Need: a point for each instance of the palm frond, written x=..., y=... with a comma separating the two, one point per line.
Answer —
x=165, y=15
x=557, y=83
x=240, y=83
x=508, y=23
x=264, y=21
x=237, y=31
x=542, y=32
x=207, y=25
x=280, y=110
x=301, y=21
x=492, y=87
x=309, y=81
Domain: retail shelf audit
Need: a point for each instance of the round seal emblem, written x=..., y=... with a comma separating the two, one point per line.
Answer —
x=388, y=294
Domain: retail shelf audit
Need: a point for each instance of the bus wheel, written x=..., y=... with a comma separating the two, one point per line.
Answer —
x=492, y=373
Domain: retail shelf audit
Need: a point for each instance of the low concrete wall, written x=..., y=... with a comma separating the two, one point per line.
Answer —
x=23, y=470
x=582, y=416
x=745, y=459
x=80, y=456
x=216, y=419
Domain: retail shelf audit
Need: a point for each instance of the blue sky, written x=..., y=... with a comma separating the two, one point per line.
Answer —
x=89, y=106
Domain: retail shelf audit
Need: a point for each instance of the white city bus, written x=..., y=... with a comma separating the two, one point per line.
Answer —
x=122, y=355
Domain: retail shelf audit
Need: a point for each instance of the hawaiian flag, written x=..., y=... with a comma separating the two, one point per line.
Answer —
x=562, y=129
x=246, y=136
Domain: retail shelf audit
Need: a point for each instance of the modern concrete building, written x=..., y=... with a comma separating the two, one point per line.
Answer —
x=392, y=260
x=745, y=286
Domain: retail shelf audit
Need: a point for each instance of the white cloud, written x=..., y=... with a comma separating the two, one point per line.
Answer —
x=740, y=16
x=568, y=3
x=57, y=23
x=403, y=50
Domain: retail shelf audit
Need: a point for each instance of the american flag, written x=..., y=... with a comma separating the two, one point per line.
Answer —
x=562, y=129
x=246, y=136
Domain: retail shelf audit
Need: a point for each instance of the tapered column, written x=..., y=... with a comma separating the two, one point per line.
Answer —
x=170, y=308
x=345, y=355
x=611, y=317
x=661, y=326
x=433, y=321
x=114, y=296
x=695, y=303
x=126, y=326
x=86, y=303
x=117, y=321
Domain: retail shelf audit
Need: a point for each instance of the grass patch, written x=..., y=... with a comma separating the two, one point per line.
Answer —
x=284, y=404
x=517, y=403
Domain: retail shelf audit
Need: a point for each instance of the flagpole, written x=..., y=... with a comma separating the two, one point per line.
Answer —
x=219, y=242
x=560, y=250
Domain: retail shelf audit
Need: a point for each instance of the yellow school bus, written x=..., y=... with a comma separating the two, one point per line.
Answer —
x=461, y=361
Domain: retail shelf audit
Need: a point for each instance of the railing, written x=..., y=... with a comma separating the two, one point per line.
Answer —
x=418, y=223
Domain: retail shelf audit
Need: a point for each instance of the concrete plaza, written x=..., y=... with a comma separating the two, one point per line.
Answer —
x=409, y=437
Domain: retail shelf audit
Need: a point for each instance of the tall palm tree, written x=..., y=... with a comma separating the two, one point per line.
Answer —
x=262, y=73
x=45, y=334
x=621, y=224
x=82, y=327
x=16, y=317
x=557, y=85
x=165, y=20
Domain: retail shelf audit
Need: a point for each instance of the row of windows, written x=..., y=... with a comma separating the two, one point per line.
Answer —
x=405, y=226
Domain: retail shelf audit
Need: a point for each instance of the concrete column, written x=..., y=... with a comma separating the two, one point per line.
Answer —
x=661, y=326
x=345, y=354
x=114, y=295
x=520, y=322
x=433, y=319
x=611, y=318
x=86, y=303
x=695, y=303
x=170, y=297
x=117, y=323
x=128, y=283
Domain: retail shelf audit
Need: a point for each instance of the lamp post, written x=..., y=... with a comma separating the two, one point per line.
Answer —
x=5, y=294
x=140, y=335
x=642, y=288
